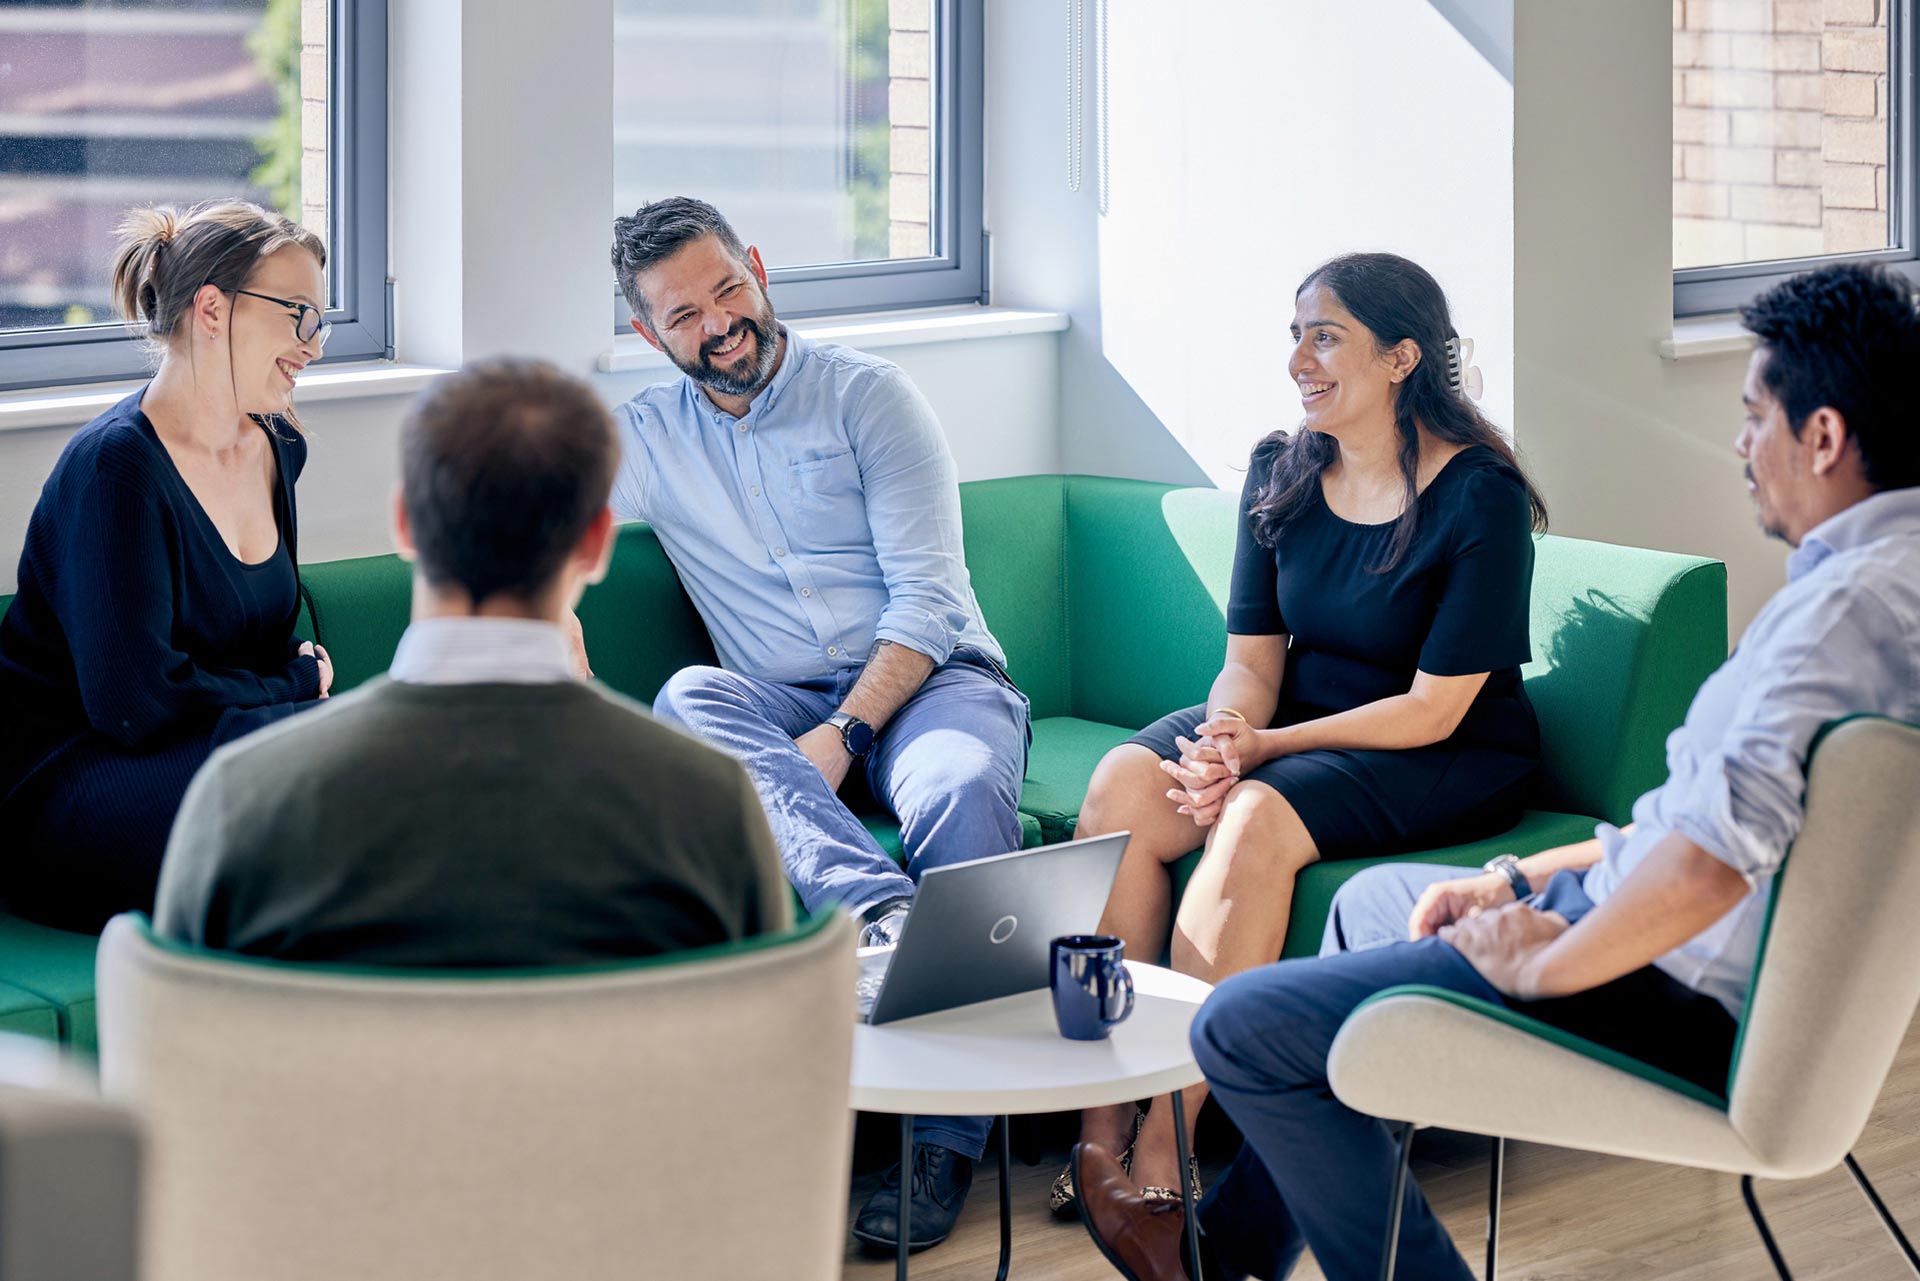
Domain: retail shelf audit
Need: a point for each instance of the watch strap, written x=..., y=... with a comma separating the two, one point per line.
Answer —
x=1508, y=865
x=845, y=722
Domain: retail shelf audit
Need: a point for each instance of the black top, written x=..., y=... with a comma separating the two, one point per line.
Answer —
x=1456, y=604
x=133, y=619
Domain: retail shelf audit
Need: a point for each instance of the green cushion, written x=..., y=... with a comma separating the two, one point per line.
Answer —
x=23, y=1013
x=1015, y=529
x=1547, y=1032
x=1622, y=637
x=639, y=624
x=1146, y=590
x=885, y=830
x=57, y=967
x=1065, y=751
x=1314, y=890
x=360, y=607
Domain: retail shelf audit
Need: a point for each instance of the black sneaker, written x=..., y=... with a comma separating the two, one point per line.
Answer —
x=941, y=1179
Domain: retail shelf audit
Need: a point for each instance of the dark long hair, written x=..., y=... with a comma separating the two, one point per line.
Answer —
x=1396, y=300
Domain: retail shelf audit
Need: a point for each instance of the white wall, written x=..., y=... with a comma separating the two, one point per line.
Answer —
x=1250, y=141
x=1629, y=448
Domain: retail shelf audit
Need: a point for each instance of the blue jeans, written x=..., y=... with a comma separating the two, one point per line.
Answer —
x=1315, y=1172
x=948, y=765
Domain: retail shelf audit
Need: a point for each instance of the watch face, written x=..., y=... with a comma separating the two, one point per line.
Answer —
x=858, y=736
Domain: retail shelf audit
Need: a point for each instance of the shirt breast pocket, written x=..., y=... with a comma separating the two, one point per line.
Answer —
x=826, y=496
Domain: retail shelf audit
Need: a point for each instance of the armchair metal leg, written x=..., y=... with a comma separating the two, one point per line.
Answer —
x=1493, y=1208
x=1390, y=1250
x=1760, y=1223
x=1880, y=1208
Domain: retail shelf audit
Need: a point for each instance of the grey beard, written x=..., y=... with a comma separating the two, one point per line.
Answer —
x=766, y=351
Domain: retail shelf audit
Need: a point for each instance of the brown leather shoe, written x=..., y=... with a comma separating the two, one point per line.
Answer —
x=1140, y=1236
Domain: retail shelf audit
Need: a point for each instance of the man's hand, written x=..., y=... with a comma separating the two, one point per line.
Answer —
x=1505, y=945
x=829, y=755
x=1447, y=902
x=576, y=646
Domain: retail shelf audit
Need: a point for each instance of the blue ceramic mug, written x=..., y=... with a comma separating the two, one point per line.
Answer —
x=1092, y=990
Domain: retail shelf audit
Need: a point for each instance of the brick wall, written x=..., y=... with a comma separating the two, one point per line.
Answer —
x=1779, y=129
x=909, y=101
x=313, y=115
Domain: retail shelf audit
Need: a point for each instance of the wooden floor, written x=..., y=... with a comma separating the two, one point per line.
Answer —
x=1566, y=1216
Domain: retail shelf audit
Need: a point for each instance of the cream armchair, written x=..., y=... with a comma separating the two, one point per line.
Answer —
x=679, y=1117
x=1836, y=987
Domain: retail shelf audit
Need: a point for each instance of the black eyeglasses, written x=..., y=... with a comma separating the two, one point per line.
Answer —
x=309, y=324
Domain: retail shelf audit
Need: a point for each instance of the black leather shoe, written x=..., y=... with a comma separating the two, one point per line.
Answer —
x=941, y=1178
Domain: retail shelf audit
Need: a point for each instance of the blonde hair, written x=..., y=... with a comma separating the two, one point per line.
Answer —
x=166, y=256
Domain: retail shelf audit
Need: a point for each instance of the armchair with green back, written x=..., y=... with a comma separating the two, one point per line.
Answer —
x=1833, y=994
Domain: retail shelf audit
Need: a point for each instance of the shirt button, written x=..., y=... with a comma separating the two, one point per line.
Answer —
x=806, y=591
x=755, y=491
x=833, y=651
x=779, y=551
x=743, y=426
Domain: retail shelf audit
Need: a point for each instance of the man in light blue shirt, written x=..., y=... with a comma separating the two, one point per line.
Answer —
x=1643, y=939
x=805, y=493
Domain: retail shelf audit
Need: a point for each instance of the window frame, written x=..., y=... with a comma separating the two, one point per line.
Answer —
x=957, y=274
x=1703, y=291
x=356, y=232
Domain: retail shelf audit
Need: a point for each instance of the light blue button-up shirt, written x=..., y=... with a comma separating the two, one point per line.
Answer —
x=1843, y=636
x=826, y=519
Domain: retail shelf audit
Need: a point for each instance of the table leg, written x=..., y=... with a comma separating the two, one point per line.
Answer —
x=1006, y=1198
x=906, y=1194
x=1186, y=1183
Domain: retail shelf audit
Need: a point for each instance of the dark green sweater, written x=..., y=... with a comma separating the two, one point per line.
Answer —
x=470, y=825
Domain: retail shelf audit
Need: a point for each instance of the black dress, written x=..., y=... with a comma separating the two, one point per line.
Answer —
x=137, y=644
x=1455, y=605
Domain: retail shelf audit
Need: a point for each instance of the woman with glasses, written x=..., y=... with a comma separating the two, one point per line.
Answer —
x=160, y=584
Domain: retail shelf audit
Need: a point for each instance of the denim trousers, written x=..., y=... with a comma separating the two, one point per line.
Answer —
x=948, y=765
x=1313, y=1171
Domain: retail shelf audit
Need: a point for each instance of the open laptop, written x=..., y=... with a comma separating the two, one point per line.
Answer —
x=980, y=929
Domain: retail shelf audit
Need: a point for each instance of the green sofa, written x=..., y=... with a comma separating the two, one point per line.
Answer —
x=1109, y=597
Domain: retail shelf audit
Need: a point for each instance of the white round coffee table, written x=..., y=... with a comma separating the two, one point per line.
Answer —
x=1007, y=1057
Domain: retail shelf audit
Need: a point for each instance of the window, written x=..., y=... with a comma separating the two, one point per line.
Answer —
x=1792, y=142
x=842, y=137
x=109, y=105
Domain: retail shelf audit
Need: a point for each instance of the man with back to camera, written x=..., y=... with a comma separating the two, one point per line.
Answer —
x=478, y=806
x=1643, y=939
x=805, y=494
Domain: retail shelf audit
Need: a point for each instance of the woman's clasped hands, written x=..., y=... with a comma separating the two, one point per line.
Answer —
x=1210, y=765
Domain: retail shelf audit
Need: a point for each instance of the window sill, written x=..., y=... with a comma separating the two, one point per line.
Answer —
x=76, y=405
x=870, y=331
x=1695, y=337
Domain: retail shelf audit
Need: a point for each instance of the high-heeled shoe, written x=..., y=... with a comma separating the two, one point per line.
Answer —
x=1061, y=1198
x=1173, y=1194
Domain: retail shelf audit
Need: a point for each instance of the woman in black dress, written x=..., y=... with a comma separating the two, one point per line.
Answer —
x=1370, y=701
x=159, y=583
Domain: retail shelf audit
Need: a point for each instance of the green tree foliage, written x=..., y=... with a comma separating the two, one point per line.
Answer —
x=275, y=46
x=871, y=181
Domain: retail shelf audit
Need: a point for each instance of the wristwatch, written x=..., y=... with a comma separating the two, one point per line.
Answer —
x=1509, y=866
x=855, y=734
